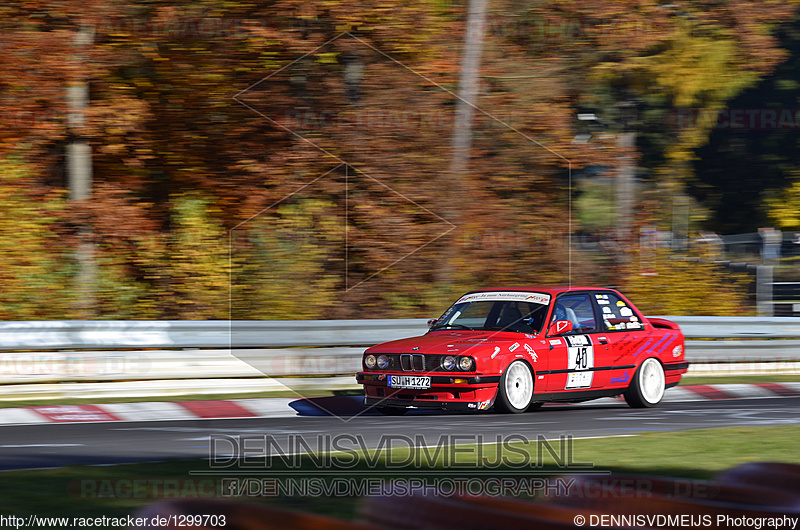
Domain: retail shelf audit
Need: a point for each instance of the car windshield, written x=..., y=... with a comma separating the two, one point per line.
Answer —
x=521, y=312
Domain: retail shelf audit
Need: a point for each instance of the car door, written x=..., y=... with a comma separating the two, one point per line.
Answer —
x=572, y=356
x=621, y=326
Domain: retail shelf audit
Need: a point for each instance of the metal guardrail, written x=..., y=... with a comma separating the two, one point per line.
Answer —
x=70, y=352
x=738, y=327
x=115, y=334
x=118, y=334
x=86, y=366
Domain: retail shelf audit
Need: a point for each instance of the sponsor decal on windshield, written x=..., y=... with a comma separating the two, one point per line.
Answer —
x=536, y=298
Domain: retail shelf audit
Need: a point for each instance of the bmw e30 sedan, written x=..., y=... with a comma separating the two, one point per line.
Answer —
x=516, y=348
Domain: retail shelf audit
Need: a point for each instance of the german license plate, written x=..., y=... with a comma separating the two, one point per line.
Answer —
x=409, y=381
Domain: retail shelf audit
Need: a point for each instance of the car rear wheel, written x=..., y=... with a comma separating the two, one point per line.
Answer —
x=647, y=387
x=392, y=411
x=515, y=391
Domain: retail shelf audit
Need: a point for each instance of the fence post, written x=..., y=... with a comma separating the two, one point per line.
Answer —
x=764, y=303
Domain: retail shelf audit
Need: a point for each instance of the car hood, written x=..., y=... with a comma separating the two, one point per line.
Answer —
x=450, y=342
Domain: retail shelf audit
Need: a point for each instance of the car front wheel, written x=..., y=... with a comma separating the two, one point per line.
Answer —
x=515, y=392
x=647, y=387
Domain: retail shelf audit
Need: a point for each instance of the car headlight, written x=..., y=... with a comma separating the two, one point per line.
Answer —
x=369, y=361
x=449, y=362
x=383, y=361
x=466, y=364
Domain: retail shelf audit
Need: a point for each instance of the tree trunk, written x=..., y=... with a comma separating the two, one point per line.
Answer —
x=625, y=191
x=79, y=171
x=468, y=87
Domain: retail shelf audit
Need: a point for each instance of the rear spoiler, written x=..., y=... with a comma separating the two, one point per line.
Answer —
x=663, y=323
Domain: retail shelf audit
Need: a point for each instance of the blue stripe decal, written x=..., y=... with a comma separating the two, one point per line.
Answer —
x=662, y=339
x=643, y=346
x=669, y=336
x=621, y=379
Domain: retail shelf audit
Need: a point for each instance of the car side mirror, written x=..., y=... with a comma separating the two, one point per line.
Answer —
x=431, y=322
x=559, y=327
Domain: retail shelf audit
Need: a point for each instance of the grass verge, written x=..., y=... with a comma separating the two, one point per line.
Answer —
x=92, y=491
x=688, y=380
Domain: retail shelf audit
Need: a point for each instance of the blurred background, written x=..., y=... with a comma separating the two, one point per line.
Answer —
x=296, y=160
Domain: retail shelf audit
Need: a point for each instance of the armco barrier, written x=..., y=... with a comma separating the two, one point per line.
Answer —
x=44, y=353
x=118, y=334
x=84, y=366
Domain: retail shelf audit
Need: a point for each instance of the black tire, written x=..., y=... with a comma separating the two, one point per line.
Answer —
x=648, y=385
x=515, y=391
x=392, y=411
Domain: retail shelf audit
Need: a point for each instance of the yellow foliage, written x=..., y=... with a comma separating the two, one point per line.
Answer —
x=695, y=69
x=118, y=294
x=284, y=264
x=784, y=210
x=198, y=261
x=684, y=286
x=35, y=271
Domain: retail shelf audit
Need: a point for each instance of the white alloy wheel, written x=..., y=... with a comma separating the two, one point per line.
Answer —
x=649, y=383
x=516, y=388
x=652, y=381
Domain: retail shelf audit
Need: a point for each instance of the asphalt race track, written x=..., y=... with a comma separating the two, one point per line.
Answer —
x=54, y=445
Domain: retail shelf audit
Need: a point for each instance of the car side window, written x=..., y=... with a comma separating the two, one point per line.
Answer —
x=579, y=310
x=617, y=314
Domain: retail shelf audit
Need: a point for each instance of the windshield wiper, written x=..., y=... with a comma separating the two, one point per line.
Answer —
x=462, y=326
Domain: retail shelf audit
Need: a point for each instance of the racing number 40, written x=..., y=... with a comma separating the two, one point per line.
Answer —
x=581, y=358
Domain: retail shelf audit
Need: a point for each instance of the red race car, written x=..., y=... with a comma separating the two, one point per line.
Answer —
x=518, y=348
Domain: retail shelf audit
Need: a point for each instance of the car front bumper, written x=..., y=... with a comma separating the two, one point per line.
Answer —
x=476, y=392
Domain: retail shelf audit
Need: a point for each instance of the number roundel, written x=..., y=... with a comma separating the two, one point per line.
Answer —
x=580, y=352
x=580, y=361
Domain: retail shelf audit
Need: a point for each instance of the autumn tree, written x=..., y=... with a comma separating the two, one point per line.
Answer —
x=288, y=159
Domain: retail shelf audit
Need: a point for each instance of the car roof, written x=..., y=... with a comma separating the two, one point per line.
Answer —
x=549, y=289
